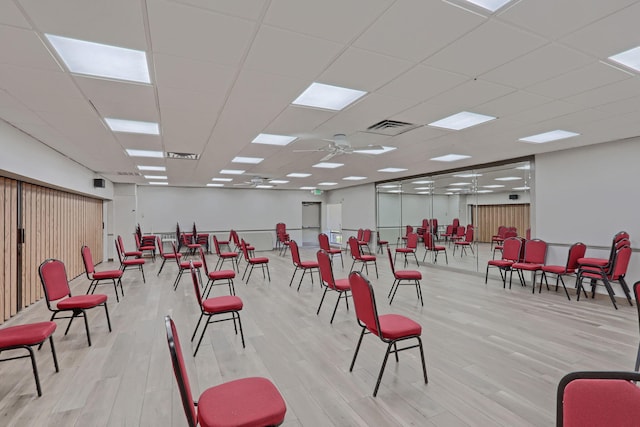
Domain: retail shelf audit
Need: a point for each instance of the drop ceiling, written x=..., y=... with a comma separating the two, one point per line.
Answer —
x=223, y=72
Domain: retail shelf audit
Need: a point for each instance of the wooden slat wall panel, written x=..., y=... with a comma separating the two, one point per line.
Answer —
x=490, y=217
x=56, y=225
x=8, y=249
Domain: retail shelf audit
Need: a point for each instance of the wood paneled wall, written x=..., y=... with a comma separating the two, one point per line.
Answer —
x=56, y=224
x=8, y=248
x=490, y=217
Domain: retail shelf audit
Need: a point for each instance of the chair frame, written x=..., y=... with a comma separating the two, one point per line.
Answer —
x=227, y=275
x=302, y=265
x=608, y=273
x=224, y=256
x=253, y=261
x=165, y=256
x=183, y=266
x=328, y=280
x=570, y=268
x=528, y=264
x=76, y=311
x=506, y=262
x=357, y=256
x=323, y=241
x=125, y=263
x=430, y=246
x=636, y=292
x=373, y=329
x=399, y=281
x=410, y=248
x=29, y=347
x=90, y=271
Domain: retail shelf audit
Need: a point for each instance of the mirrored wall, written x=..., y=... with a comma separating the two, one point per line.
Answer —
x=480, y=199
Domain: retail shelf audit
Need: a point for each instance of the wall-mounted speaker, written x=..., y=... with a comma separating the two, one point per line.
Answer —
x=98, y=182
x=513, y=197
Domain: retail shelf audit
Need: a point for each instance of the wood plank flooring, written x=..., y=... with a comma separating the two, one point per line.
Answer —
x=494, y=356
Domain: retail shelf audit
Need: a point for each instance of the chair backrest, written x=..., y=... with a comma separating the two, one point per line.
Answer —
x=501, y=230
x=468, y=235
x=576, y=251
x=393, y=267
x=620, y=262
x=510, y=233
x=175, y=253
x=295, y=253
x=196, y=283
x=87, y=259
x=455, y=223
x=535, y=251
x=354, y=248
x=412, y=240
x=364, y=301
x=233, y=236
x=119, y=251
x=408, y=230
x=216, y=245
x=326, y=270
x=159, y=245
x=180, y=372
x=186, y=239
x=245, y=252
x=138, y=242
x=366, y=235
x=636, y=292
x=425, y=224
x=620, y=239
x=449, y=230
x=586, y=399
x=511, y=249
x=53, y=277
x=460, y=231
x=428, y=240
x=323, y=240
x=204, y=261
x=360, y=234
x=121, y=243
x=434, y=225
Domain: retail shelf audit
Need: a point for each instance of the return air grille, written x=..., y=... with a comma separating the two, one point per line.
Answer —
x=184, y=156
x=390, y=127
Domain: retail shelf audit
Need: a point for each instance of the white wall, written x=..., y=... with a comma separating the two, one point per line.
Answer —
x=358, y=207
x=588, y=195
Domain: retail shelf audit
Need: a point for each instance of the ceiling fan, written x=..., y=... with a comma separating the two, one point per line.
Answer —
x=254, y=181
x=340, y=145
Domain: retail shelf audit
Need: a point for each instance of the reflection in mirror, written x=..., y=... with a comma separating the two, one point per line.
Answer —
x=463, y=210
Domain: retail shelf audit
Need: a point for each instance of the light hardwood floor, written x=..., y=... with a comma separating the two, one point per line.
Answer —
x=494, y=356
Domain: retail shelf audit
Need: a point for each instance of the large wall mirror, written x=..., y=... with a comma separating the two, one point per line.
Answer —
x=483, y=199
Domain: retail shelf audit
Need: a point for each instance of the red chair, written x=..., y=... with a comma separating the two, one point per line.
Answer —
x=429, y=246
x=58, y=296
x=244, y=402
x=226, y=243
x=636, y=292
x=365, y=239
x=380, y=243
x=126, y=263
x=458, y=234
x=146, y=243
x=236, y=243
x=225, y=256
x=390, y=328
x=189, y=243
x=323, y=240
x=301, y=265
x=535, y=256
x=228, y=304
x=25, y=337
x=400, y=276
x=96, y=277
x=510, y=232
x=408, y=230
x=466, y=243
x=510, y=255
x=263, y=262
x=202, y=239
x=214, y=276
x=183, y=266
x=614, y=271
x=164, y=255
x=620, y=239
x=282, y=238
x=595, y=399
x=447, y=233
x=357, y=256
x=499, y=237
x=410, y=248
x=576, y=251
x=128, y=254
x=330, y=283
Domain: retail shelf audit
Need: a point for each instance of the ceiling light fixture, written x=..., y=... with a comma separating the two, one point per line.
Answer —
x=461, y=121
x=508, y=178
x=249, y=160
x=144, y=153
x=215, y=185
x=298, y=175
x=450, y=158
x=101, y=60
x=232, y=172
x=468, y=175
x=328, y=165
x=132, y=126
x=423, y=182
x=354, y=178
x=392, y=170
x=158, y=183
x=307, y=188
x=629, y=58
x=328, y=97
x=278, y=181
x=553, y=135
x=155, y=177
x=490, y=5
x=270, y=139
x=521, y=188
x=384, y=149
x=328, y=183
x=152, y=168
x=264, y=186
x=222, y=179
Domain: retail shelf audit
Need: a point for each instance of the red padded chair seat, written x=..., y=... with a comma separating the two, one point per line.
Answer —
x=333, y=251
x=383, y=242
x=230, y=254
x=526, y=266
x=222, y=274
x=136, y=254
x=186, y=264
x=82, y=301
x=501, y=263
x=593, y=261
x=308, y=264
x=557, y=269
x=135, y=261
x=30, y=334
x=107, y=274
x=342, y=285
x=368, y=258
x=409, y=274
x=222, y=304
x=439, y=248
x=394, y=326
x=259, y=260
x=596, y=402
x=172, y=256
x=244, y=402
x=405, y=250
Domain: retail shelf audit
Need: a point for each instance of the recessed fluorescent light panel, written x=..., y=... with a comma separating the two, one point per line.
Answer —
x=461, y=121
x=395, y=191
x=493, y=186
x=152, y=168
x=524, y=167
x=307, y=188
x=222, y=179
x=391, y=170
x=328, y=97
x=554, y=135
x=450, y=158
x=264, y=186
x=490, y=5
x=484, y=191
x=354, y=178
x=508, y=178
x=328, y=183
x=250, y=160
x=461, y=183
x=278, y=181
x=95, y=59
x=423, y=192
x=629, y=58
x=390, y=186
x=468, y=175
x=144, y=153
x=158, y=183
x=215, y=185
x=521, y=188
x=155, y=177
x=269, y=139
x=328, y=165
x=376, y=151
x=132, y=126
x=231, y=172
x=423, y=182
x=298, y=175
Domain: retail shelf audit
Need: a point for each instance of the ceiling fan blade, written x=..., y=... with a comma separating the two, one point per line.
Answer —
x=367, y=148
x=328, y=156
x=308, y=151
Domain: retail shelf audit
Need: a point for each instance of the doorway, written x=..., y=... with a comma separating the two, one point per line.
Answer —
x=310, y=223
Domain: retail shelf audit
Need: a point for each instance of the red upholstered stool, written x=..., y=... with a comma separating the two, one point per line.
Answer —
x=26, y=336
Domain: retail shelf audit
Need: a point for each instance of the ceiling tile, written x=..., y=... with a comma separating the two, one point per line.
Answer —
x=11, y=15
x=243, y=9
x=120, y=100
x=23, y=48
x=512, y=103
x=422, y=82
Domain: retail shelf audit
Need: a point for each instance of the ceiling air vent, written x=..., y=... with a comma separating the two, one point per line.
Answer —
x=390, y=127
x=184, y=156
